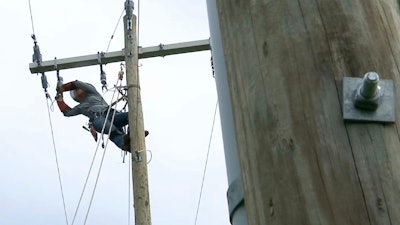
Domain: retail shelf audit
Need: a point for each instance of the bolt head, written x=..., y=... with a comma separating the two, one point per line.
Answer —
x=371, y=76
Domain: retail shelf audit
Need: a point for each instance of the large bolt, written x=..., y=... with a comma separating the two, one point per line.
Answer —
x=370, y=88
x=368, y=94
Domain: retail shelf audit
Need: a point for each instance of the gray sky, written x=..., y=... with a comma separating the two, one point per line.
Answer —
x=178, y=95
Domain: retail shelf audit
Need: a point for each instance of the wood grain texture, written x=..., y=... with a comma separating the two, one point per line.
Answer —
x=140, y=179
x=301, y=163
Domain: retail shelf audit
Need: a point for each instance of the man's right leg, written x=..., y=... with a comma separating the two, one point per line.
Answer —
x=98, y=124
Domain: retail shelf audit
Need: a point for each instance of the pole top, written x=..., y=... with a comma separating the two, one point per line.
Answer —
x=129, y=6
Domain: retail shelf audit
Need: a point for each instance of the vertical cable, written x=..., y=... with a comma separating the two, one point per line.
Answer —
x=205, y=166
x=58, y=167
x=104, y=153
x=51, y=124
x=30, y=10
x=91, y=166
x=115, y=29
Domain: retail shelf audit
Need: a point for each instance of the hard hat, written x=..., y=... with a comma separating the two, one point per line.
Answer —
x=73, y=95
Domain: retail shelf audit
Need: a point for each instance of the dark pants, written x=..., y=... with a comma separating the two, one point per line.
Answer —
x=117, y=133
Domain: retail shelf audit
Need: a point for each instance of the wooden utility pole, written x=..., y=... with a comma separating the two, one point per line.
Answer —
x=137, y=136
x=301, y=162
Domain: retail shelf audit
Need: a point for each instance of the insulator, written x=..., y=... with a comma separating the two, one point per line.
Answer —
x=37, y=56
x=103, y=78
x=129, y=8
x=44, y=81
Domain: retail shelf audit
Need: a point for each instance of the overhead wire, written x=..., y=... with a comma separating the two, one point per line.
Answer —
x=58, y=166
x=206, y=163
x=51, y=129
x=115, y=29
x=30, y=10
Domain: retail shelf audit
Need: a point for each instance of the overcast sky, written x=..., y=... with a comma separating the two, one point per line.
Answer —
x=179, y=99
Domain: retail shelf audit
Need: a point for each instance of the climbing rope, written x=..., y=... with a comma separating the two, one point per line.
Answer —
x=205, y=166
x=91, y=165
x=102, y=158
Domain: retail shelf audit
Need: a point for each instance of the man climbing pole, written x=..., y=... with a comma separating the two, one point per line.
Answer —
x=92, y=105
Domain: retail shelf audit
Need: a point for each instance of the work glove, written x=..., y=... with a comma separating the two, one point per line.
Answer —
x=59, y=97
x=59, y=87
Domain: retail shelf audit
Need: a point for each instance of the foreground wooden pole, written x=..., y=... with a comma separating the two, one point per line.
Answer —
x=138, y=147
x=285, y=62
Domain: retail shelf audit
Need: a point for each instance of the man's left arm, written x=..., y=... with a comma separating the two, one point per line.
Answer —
x=64, y=108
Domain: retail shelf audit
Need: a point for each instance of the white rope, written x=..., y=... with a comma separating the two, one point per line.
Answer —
x=104, y=153
x=91, y=165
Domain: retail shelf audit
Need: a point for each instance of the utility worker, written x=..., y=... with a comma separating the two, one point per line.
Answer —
x=92, y=105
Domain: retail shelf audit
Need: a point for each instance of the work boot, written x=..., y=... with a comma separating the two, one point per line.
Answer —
x=127, y=141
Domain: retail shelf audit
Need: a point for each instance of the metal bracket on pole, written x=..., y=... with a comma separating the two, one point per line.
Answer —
x=138, y=157
x=368, y=99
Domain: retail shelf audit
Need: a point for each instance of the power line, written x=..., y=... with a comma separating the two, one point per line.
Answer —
x=44, y=82
x=115, y=29
x=58, y=167
x=116, y=26
x=30, y=10
x=205, y=166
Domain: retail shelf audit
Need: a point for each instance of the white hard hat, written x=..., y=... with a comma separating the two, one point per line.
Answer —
x=73, y=95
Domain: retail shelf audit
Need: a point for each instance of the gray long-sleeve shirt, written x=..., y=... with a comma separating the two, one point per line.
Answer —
x=92, y=104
